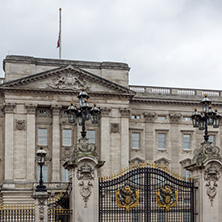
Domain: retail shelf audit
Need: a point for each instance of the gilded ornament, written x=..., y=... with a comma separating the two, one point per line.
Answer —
x=127, y=197
x=167, y=197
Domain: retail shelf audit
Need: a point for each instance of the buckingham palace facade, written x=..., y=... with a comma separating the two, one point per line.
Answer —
x=137, y=124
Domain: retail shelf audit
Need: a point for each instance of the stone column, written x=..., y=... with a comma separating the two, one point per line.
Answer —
x=83, y=167
x=105, y=139
x=125, y=113
x=149, y=135
x=9, y=141
x=174, y=139
x=31, y=146
x=206, y=168
x=55, y=144
x=41, y=206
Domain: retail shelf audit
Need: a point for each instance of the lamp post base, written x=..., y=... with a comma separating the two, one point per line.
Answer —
x=41, y=188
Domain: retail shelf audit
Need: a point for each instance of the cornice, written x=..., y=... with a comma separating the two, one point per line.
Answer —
x=65, y=92
x=170, y=101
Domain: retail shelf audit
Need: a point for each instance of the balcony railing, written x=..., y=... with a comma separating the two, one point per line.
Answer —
x=146, y=90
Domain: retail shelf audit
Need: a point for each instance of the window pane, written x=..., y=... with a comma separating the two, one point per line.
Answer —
x=186, y=174
x=161, y=117
x=67, y=137
x=44, y=173
x=212, y=139
x=161, y=140
x=135, y=140
x=42, y=137
x=91, y=135
x=186, y=141
x=65, y=175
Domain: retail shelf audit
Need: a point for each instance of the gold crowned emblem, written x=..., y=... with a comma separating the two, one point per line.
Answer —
x=167, y=197
x=127, y=197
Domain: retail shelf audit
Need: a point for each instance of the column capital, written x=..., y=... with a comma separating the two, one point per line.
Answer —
x=124, y=112
x=30, y=108
x=56, y=109
x=105, y=111
x=9, y=107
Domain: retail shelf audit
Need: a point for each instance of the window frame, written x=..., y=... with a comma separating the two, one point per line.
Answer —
x=139, y=140
x=39, y=142
x=184, y=142
x=165, y=141
x=71, y=137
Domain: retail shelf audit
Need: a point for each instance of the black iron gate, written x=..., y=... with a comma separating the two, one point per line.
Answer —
x=146, y=193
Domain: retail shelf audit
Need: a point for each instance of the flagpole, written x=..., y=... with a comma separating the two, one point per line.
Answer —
x=60, y=36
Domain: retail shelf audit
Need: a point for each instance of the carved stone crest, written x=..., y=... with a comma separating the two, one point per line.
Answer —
x=167, y=197
x=212, y=175
x=85, y=190
x=149, y=117
x=20, y=124
x=127, y=197
x=175, y=118
x=85, y=174
x=68, y=81
x=115, y=128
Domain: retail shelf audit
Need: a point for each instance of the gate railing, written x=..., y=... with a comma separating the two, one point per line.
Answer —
x=146, y=192
x=59, y=214
x=18, y=213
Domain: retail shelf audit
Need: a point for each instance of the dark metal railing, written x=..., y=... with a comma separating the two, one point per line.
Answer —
x=18, y=213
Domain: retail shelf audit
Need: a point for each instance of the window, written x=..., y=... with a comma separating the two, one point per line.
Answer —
x=186, y=174
x=91, y=135
x=161, y=141
x=186, y=118
x=212, y=139
x=42, y=111
x=135, y=140
x=161, y=117
x=135, y=116
x=44, y=173
x=67, y=137
x=65, y=175
x=42, y=137
x=186, y=141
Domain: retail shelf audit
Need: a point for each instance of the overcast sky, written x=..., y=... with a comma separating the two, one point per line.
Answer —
x=173, y=43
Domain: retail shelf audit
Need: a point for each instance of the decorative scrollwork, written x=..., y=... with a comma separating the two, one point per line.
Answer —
x=127, y=197
x=212, y=175
x=167, y=197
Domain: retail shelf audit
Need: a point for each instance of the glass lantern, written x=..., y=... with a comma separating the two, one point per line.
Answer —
x=196, y=118
x=205, y=103
x=95, y=114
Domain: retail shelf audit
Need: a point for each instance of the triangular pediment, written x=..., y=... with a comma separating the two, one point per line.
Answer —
x=67, y=78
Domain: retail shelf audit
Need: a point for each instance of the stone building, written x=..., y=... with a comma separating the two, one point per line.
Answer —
x=138, y=123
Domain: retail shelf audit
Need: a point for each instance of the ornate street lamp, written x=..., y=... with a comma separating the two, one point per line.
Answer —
x=208, y=116
x=84, y=112
x=41, y=153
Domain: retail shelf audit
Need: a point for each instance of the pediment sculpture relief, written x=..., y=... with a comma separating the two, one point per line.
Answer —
x=68, y=81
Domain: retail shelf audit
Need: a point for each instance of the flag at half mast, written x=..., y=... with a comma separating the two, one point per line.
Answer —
x=59, y=37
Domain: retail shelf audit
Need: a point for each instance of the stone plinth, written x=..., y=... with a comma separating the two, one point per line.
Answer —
x=83, y=167
x=41, y=206
x=206, y=169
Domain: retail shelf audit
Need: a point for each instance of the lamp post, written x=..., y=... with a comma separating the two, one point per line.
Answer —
x=84, y=112
x=208, y=116
x=41, y=153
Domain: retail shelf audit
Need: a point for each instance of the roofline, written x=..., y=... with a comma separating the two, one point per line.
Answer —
x=64, y=62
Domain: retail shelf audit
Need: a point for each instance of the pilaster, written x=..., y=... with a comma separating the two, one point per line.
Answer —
x=125, y=114
x=55, y=144
x=105, y=139
x=31, y=147
x=9, y=141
